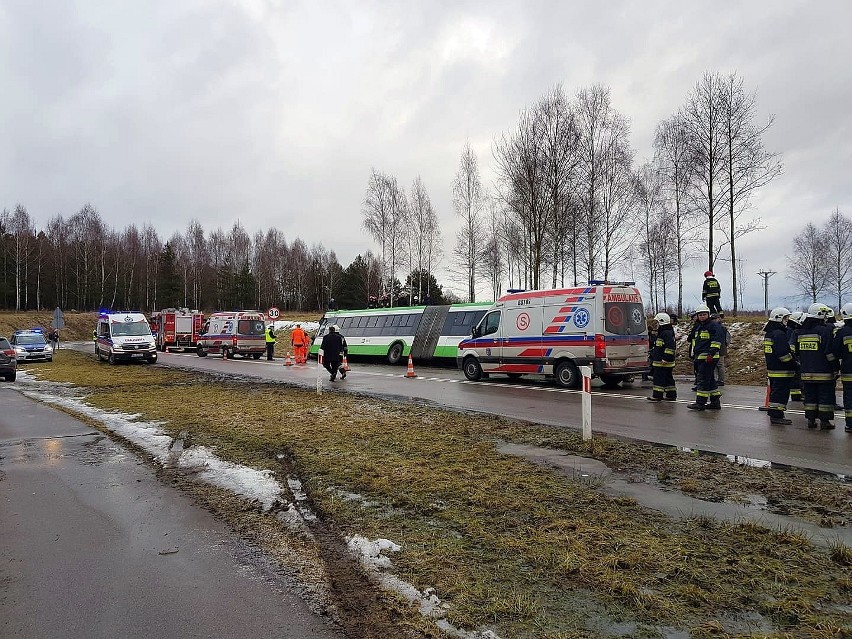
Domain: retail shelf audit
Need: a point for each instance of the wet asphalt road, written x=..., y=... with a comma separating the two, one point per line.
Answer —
x=93, y=545
x=739, y=429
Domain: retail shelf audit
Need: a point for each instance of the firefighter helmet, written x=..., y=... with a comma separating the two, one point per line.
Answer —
x=702, y=309
x=820, y=311
x=846, y=311
x=778, y=314
x=708, y=273
x=797, y=317
x=663, y=319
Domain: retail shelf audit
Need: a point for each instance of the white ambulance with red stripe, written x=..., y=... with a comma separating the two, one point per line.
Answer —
x=553, y=332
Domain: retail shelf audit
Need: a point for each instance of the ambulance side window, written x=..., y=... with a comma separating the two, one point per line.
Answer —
x=490, y=323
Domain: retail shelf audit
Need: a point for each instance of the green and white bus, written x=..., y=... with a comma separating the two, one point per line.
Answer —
x=426, y=332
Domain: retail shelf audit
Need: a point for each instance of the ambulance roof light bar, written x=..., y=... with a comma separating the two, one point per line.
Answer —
x=512, y=291
x=608, y=283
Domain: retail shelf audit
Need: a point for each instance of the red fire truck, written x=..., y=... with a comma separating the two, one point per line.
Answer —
x=177, y=328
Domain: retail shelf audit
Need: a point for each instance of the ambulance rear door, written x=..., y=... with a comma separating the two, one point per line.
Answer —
x=624, y=328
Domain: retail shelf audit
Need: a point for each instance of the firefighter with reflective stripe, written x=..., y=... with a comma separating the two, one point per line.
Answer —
x=705, y=351
x=793, y=322
x=812, y=346
x=270, y=341
x=711, y=292
x=780, y=364
x=663, y=360
x=843, y=351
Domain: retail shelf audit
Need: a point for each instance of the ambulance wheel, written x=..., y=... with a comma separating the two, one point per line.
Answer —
x=567, y=375
x=472, y=369
x=152, y=359
x=200, y=350
x=395, y=353
x=612, y=381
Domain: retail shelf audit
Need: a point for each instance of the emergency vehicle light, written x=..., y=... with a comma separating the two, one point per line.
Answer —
x=608, y=283
x=515, y=290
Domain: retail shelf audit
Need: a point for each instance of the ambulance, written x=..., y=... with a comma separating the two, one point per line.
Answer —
x=554, y=332
x=124, y=336
x=233, y=333
x=178, y=328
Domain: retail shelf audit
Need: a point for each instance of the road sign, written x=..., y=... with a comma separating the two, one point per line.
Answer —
x=58, y=319
x=273, y=313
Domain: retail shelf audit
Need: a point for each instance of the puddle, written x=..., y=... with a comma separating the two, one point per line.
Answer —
x=648, y=493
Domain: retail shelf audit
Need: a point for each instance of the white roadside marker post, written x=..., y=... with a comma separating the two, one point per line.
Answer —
x=586, y=371
x=319, y=372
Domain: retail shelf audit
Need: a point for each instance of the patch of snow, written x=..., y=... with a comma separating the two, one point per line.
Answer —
x=429, y=605
x=288, y=324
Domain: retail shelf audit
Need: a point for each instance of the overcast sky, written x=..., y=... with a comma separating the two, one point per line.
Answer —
x=273, y=113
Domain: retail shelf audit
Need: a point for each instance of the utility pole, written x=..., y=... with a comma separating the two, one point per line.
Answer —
x=766, y=275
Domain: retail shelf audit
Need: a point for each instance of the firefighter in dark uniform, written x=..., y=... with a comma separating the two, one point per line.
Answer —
x=843, y=351
x=812, y=346
x=711, y=292
x=270, y=341
x=705, y=352
x=663, y=360
x=780, y=364
x=793, y=322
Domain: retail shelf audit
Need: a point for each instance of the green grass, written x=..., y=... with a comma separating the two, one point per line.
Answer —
x=505, y=542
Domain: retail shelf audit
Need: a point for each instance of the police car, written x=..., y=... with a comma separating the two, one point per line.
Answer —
x=31, y=345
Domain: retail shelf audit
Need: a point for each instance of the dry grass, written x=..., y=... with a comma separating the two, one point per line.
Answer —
x=506, y=542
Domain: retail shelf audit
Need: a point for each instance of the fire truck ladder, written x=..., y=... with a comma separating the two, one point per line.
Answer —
x=431, y=325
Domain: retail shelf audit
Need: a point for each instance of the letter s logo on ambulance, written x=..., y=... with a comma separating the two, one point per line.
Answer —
x=523, y=322
x=581, y=318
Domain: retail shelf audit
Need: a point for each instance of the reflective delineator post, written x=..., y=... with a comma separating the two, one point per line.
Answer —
x=319, y=372
x=586, y=371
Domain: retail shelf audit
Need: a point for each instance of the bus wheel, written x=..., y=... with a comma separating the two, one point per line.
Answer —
x=200, y=350
x=472, y=369
x=395, y=353
x=567, y=375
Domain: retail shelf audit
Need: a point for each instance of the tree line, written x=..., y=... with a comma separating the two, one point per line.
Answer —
x=569, y=204
x=821, y=263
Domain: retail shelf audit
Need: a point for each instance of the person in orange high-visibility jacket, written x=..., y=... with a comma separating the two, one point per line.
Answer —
x=300, y=341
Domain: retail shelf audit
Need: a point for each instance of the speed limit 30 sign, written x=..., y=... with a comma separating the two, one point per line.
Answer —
x=273, y=313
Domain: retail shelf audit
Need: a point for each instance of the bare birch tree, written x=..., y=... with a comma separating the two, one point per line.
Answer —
x=837, y=235
x=467, y=202
x=20, y=227
x=809, y=268
x=424, y=233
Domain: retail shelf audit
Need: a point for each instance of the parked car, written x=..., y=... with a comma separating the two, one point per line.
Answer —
x=8, y=361
x=31, y=345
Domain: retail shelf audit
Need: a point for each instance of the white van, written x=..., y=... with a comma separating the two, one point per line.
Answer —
x=124, y=336
x=552, y=332
x=233, y=333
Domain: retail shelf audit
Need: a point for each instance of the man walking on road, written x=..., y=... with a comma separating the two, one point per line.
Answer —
x=332, y=347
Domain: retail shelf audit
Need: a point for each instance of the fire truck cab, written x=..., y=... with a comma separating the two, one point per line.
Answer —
x=178, y=328
x=233, y=333
x=553, y=332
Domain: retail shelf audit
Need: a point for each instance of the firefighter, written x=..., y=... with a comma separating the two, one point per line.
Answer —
x=780, y=364
x=663, y=360
x=270, y=341
x=705, y=351
x=812, y=346
x=794, y=322
x=711, y=292
x=299, y=341
x=843, y=351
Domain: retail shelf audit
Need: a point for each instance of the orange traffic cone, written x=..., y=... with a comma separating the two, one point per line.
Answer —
x=765, y=406
x=410, y=372
x=288, y=361
x=345, y=364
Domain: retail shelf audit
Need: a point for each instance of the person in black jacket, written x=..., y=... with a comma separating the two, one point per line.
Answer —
x=663, y=360
x=812, y=346
x=842, y=348
x=706, y=343
x=711, y=293
x=793, y=322
x=780, y=364
x=332, y=347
